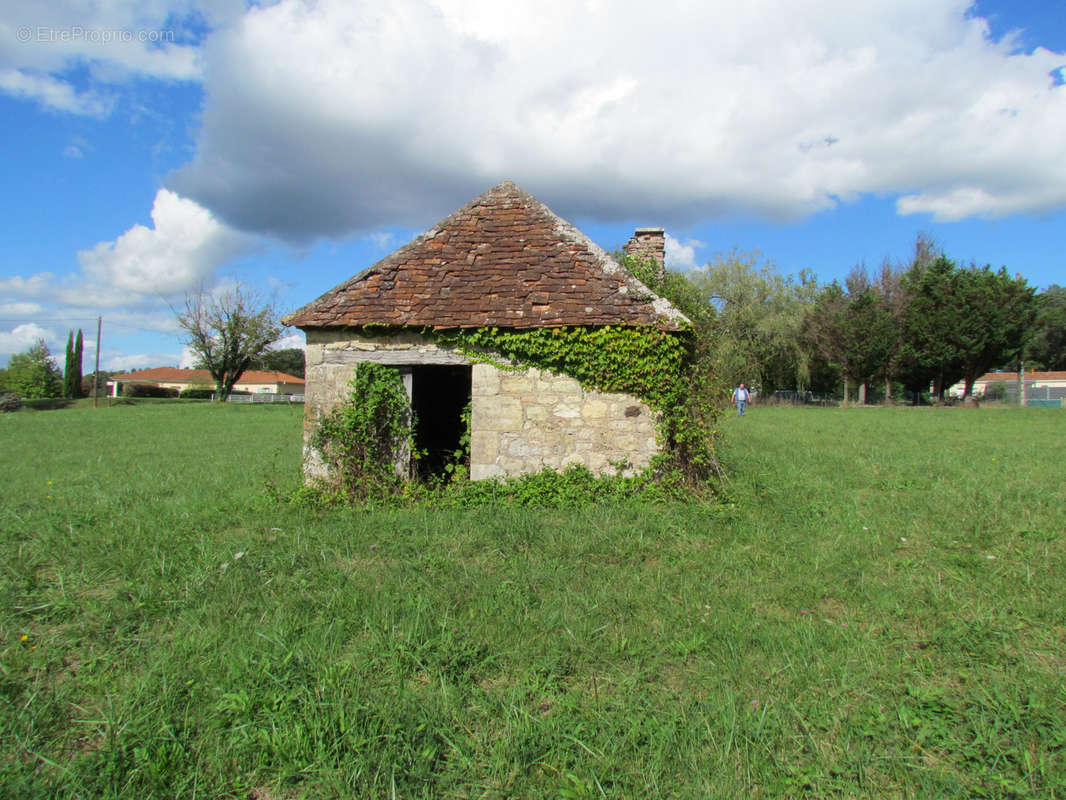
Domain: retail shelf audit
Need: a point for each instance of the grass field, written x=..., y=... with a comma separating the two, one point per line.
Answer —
x=880, y=612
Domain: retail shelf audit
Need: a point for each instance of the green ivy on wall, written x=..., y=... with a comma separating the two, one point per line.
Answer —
x=638, y=361
x=656, y=366
x=668, y=370
x=365, y=439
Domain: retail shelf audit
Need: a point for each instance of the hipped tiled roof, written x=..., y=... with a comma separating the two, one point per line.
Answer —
x=504, y=260
x=202, y=376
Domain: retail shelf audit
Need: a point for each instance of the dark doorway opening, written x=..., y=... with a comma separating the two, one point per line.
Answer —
x=438, y=396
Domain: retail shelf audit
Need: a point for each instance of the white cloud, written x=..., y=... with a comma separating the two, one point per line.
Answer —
x=127, y=362
x=39, y=286
x=183, y=249
x=117, y=41
x=20, y=309
x=680, y=255
x=384, y=241
x=339, y=116
x=55, y=94
x=291, y=341
x=188, y=358
x=23, y=336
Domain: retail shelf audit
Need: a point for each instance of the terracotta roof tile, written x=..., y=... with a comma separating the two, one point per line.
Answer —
x=505, y=260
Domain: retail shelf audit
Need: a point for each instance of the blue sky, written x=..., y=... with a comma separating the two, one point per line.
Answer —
x=155, y=147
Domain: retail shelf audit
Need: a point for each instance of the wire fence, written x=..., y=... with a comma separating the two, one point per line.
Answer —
x=264, y=398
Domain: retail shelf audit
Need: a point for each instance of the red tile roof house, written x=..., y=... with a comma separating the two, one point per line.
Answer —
x=504, y=260
x=254, y=381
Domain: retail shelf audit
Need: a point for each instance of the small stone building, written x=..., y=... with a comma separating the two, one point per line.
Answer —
x=504, y=260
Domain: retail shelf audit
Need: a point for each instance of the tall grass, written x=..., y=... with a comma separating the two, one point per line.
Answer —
x=880, y=611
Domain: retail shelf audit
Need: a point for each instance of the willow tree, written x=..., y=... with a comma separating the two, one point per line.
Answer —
x=758, y=322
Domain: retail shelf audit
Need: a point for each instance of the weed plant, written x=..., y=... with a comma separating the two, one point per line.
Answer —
x=880, y=612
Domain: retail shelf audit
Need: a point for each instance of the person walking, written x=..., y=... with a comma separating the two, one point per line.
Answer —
x=740, y=399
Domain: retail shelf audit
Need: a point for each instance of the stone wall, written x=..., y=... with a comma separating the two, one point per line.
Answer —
x=521, y=420
x=524, y=421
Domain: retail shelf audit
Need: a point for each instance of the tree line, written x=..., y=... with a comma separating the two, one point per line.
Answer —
x=905, y=329
x=930, y=322
x=35, y=374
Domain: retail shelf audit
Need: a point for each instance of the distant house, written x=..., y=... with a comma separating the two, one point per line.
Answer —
x=1038, y=385
x=504, y=261
x=253, y=381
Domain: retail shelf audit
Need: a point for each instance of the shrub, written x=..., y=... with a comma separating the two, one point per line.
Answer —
x=366, y=440
x=9, y=401
x=996, y=391
x=198, y=393
x=147, y=390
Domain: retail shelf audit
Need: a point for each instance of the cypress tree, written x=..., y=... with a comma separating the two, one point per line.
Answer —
x=77, y=365
x=68, y=371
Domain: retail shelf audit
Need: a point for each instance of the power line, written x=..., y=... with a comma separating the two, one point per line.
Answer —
x=86, y=319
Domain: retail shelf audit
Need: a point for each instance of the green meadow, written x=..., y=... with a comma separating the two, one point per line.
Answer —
x=878, y=610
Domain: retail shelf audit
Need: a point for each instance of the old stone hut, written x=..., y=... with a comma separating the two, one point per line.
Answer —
x=504, y=260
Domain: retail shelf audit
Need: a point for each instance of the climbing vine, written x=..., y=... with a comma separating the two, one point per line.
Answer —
x=668, y=370
x=367, y=438
x=638, y=361
x=656, y=366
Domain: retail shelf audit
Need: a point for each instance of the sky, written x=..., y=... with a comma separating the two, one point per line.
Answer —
x=153, y=148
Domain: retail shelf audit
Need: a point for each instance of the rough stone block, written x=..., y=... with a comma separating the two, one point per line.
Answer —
x=522, y=448
x=566, y=411
x=562, y=384
x=313, y=354
x=500, y=413
x=512, y=466
x=594, y=409
x=485, y=379
x=484, y=446
x=480, y=472
x=515, y=383
x=536, y=413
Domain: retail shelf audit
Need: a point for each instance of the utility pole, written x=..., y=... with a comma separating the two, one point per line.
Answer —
x=96, y=372
x=1021, y=383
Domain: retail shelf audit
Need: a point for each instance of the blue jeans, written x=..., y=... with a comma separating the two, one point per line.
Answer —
x=740, y=407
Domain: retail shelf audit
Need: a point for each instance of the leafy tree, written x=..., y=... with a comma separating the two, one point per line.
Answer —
x=1047, y=348
x=101, y=382
x=825, y=330
x=226, y=331
x=893, y=302
x=33, y=374
x=289, y=361
x=872, y=332
x=998, y=318
x=758, y=321
x=960, y=322
x=929, y=353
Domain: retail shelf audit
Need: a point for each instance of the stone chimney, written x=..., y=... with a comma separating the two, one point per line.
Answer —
x=649, y=243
